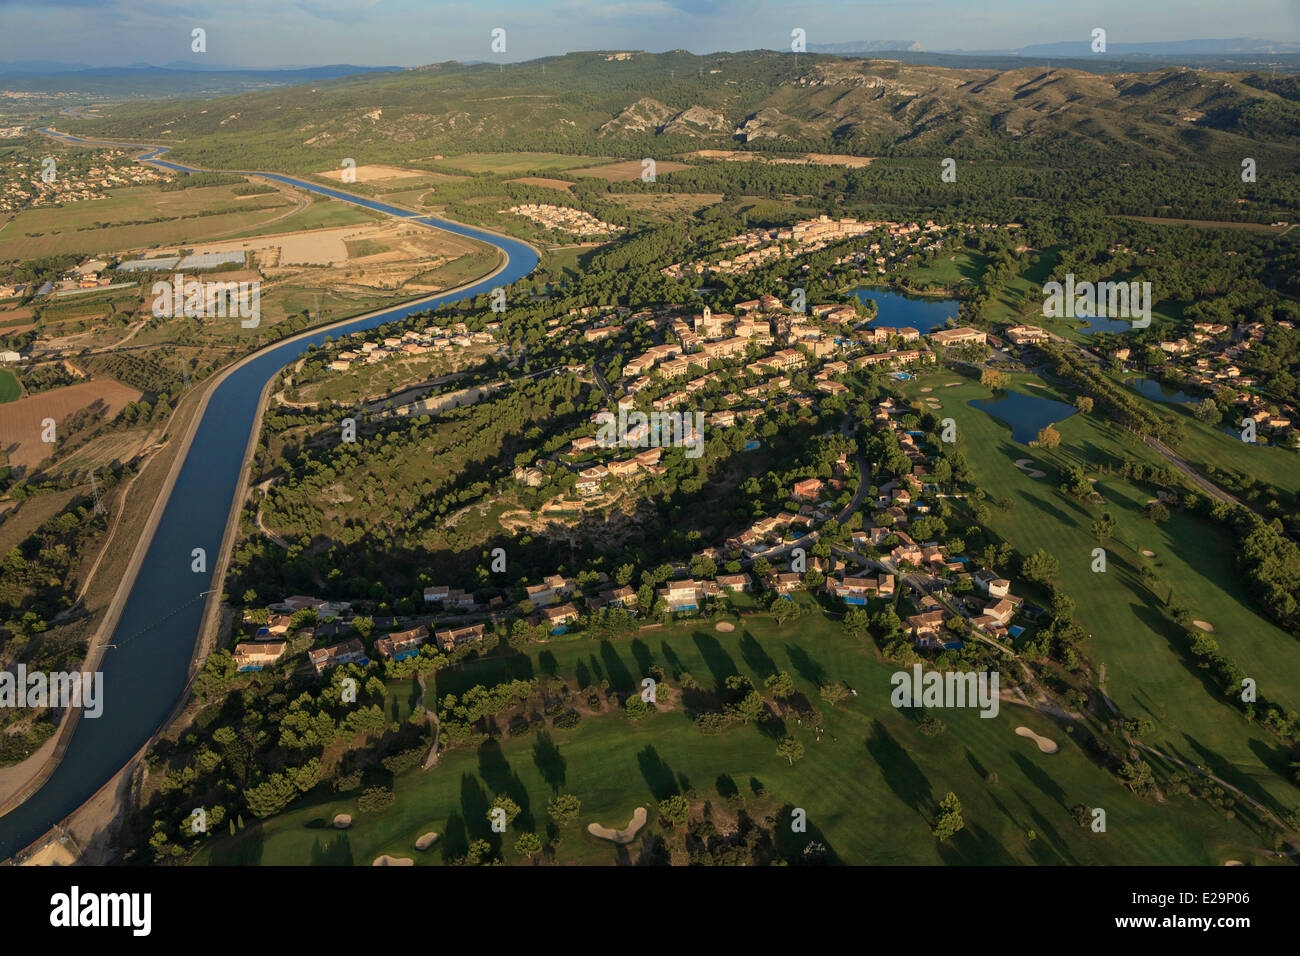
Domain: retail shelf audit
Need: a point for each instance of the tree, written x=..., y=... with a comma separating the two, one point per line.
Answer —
x=1207, y=410
x=931, y=726
x=781, y=685
x=949, y=820
x=790, y=748
x=563, y=808
x=1048, y=437
x=1040, y=567
x=1084, y=404
x=528, y=844
x=503, y=802
x=857, y=622
x=992, y=378
x=783, y=610
x=1104, y=526
x=636, y=708
x=750, y=708
x=1155, y=511
x=834, y=693
x=674, y=811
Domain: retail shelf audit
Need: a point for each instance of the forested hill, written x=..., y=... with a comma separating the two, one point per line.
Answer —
x=634, y=104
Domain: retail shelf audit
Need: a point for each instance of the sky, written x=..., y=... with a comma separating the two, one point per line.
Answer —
x=275, y=33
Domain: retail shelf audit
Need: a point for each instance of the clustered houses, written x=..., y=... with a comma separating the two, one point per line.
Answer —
x=896, y=244
x=452, y=599
x=72, y=183
x=1212, y=358
x=409, y=343
x=767, y=533
x=927, y=568
x=564, y=219
x=761, y=246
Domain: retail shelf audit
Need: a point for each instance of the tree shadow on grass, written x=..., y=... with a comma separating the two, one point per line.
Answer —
x=671, y=659
x=1046, y=832
x=758, y=660
x=496, y=772
x=658, y=775
x=549, y=760
x=454, y=842
x=243, y=849
x=902, y=774
x=642, y=655
x=974, y=845
x=474, y=803
x=1040, y=778
x=548, y=664
x=808, y=668
x=332, y=851
x=619, y=676
x=793, y=847
x=719, y=662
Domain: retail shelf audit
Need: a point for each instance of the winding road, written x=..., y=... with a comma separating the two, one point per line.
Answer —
x=150, y=636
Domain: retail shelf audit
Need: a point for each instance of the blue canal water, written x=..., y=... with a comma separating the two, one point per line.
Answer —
x=147, y=670
x=1026, y=414
x=897, y=311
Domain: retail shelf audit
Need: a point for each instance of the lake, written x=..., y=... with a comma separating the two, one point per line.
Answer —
x=1098, y=323
x=1026, y=414
x=897, y=310
x=1159, y=391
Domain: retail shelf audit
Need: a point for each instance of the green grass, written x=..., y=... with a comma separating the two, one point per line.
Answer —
x=9, y=387
x=1148, y=673
x=516, y=162
x=1209, y=445
x=324, y=214
x=70, y=229
x=948, y=270
x=870, y=787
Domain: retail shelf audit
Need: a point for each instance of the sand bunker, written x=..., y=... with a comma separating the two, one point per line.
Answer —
x=1233, y=863
x=724, y=626
x=343, y=821
x=926, y=388
x=1044, y=744
x=950, y=384
x=1148, y=554
x=625, y=835
x=426, y=840
x=1204, y=625
x=387, y=860
x=1024, y=463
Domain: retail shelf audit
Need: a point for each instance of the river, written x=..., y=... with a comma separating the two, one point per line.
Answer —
x=147, y=667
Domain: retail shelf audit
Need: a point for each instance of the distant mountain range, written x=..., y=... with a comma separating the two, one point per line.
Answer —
x=51, y=67
x=1239, y=46
x=602, y=103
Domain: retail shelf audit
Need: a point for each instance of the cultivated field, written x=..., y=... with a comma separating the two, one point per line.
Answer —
x=802, y=159
x=372, y=174
x=125, y=220
x=9, y=387
x=20, y=421
x=544, y=183
x=627, y=170
x=506, y=163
